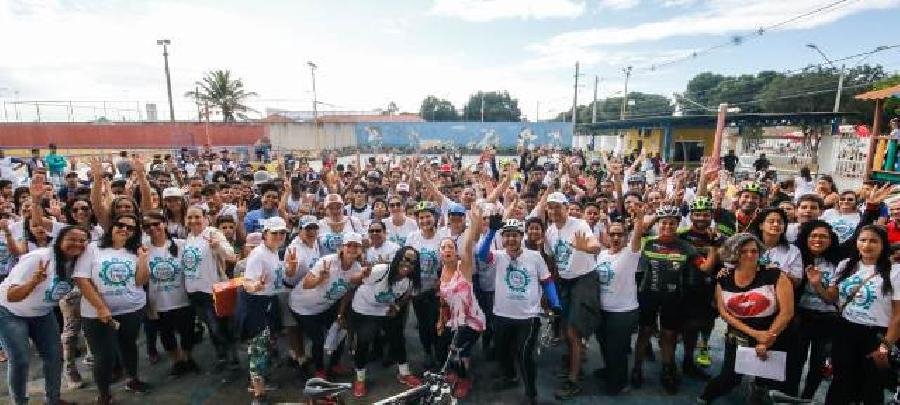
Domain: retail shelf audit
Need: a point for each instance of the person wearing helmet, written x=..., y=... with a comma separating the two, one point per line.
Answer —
x=699, y=289
x=520, y=277
x=748, y=204
x=426, y=240
x=573, y=246
x=665, y=260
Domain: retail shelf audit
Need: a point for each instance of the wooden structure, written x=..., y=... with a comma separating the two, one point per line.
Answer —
x=879, y=173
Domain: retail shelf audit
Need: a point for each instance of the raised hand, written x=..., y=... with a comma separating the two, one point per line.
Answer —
x=325, y=274
x=55, y=208
x=290, y=258
x=213, y=242
x=143, y=254
x=813, y=275
x=880, y=193
x=40, y=274
x=241, y=209
x=581, y=241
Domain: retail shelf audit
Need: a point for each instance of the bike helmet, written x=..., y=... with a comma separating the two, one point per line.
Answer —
x=513, y=225
x=702, y=203
x=668, y=211
x=426, y=206
x=752, y=187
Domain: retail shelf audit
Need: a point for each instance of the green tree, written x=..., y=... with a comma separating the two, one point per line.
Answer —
x=498, y=107
x=436, y=109
x=645, y=105
x=701, y=89
x=224, y=93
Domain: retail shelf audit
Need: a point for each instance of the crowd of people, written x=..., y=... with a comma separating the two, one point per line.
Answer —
x=330, y=258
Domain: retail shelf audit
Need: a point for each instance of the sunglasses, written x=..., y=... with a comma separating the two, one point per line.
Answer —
x=375, y=231
x=149, y=225
x=123, y=225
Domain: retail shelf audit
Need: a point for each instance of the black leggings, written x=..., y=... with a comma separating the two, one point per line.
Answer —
x=727, y=379
x=109, y=345
x=315, y=327
x=466, y=339
x=814, y=332
x=856, y=378
x=219, y=328
x=426, y=308
x=178, y=320
x=486, y=302
x=366, y=329
x=515, y=342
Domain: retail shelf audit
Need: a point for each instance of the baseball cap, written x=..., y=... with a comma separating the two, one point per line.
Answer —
x=172, y=192
x=333, y=199
x=402, y=187
x=456, y=209
x=308, y=220
x=275, y=224
x=558, y=198
x=352, y=237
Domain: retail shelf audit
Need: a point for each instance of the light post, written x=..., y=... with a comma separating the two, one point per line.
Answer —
x=312, y=71
x=837, y=97
x=165, y=44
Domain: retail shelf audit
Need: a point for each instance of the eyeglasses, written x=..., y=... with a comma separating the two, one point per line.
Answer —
x=82, y=208
x=123, y=225
x=375, y=231
x=611, y=234
x=149, y=225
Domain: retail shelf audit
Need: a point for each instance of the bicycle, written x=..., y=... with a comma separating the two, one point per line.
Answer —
x=318, y=391
x=436, y=389
x=778, y=397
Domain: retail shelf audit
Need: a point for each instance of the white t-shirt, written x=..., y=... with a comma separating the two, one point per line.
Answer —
x=306, y=258
x=868, y=306
x=5, y=255
x=570, y=262
x=113, y=272
x=791, y=232
x=809, y=299
x=398, y=234
x=382, y=254
x=45, y=295
x=313, y=301
x=200, y=264
x=787, y=258
x=330, y=241
x=429, y=261
x=17, y=230
x=363, y=217
x=517, y=284
x=843, y=224
x=618, y=291
x=375, y=296
x=261, y=262
x=166, y=290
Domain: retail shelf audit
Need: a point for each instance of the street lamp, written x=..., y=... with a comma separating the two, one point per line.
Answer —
x=837, y=97
x=165, y=44
x=312, y=70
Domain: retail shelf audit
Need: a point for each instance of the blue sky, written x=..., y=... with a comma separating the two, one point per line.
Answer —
x=372, y=52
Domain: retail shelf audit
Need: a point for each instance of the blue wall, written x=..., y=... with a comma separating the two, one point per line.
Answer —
x=462, y=134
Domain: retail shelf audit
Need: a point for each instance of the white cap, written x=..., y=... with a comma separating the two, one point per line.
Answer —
x=334, y=198
x=275, y=224
x=352, y=237
x=172, y=192
x=402, y=187
x=558, y=197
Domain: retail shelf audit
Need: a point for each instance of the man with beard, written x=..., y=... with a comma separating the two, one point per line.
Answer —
x=748, y=202
x=699, y=288
x=809, y=207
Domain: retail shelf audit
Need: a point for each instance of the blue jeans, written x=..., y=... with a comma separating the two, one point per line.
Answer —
x=15, y=331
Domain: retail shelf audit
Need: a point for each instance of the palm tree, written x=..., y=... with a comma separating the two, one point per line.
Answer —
x=220, y=90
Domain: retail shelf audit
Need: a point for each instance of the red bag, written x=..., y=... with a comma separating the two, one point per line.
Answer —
x=225, y=296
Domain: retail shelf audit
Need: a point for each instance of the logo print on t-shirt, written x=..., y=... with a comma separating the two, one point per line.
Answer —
x=748, y=304
x=163, y=269
x=562, y=251
x=429, y=262
x=116, y=272
x=398, y=239
x=605, y=271
x=332, y=241
x=844, y=229
x=190, y=260
x=337, y=290
x=278, y=280
x=516, y=279
x=864, y=298
x=385, y=297
x=58, y=289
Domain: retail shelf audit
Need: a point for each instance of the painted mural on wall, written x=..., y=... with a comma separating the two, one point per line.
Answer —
x=472, y=135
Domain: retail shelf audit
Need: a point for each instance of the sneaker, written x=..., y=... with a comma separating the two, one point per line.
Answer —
x=567, y=391
x=73, y=379
x=359, y=388
x=321, y=374
x=703, y=358
x=461, y=391
x=695, y=372
x=339, y=370
x=409, y=380
x=137, y=386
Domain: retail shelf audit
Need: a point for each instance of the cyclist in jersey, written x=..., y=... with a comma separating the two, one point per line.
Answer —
x=665, y=260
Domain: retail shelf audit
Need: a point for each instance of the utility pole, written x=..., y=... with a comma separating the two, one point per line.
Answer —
x=312, y=70
x=537, y=111
x=594, y=105
x=837, y=97
x=482, y=106
x=575, y=95
x=627, y=71
x=165, y=44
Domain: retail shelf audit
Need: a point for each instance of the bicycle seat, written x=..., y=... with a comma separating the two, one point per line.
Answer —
x=319, y=388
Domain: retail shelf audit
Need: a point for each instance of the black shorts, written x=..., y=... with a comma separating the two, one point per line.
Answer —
x=667, y=306
x=699, y=309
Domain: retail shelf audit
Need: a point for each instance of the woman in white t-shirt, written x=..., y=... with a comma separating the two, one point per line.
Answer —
x=335, y=226
x=264, y=278
x=867, y=294
x=205, y=249
x=376, y=309
x=769, y=226
x=168, y=300
x=111, y=275
x=398, y=225
x=380, y=250
x=27, y=297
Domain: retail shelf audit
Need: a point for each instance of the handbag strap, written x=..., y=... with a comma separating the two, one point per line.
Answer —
x=855, y=291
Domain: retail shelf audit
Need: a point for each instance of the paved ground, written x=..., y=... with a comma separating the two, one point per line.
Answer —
x=208, y=388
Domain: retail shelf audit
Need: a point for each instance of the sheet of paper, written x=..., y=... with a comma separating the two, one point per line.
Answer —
x=746, y=362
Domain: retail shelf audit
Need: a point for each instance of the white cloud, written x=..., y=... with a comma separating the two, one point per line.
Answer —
x=678, y=3
x=489, y=10
x=720, y=17
x=619, y=4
